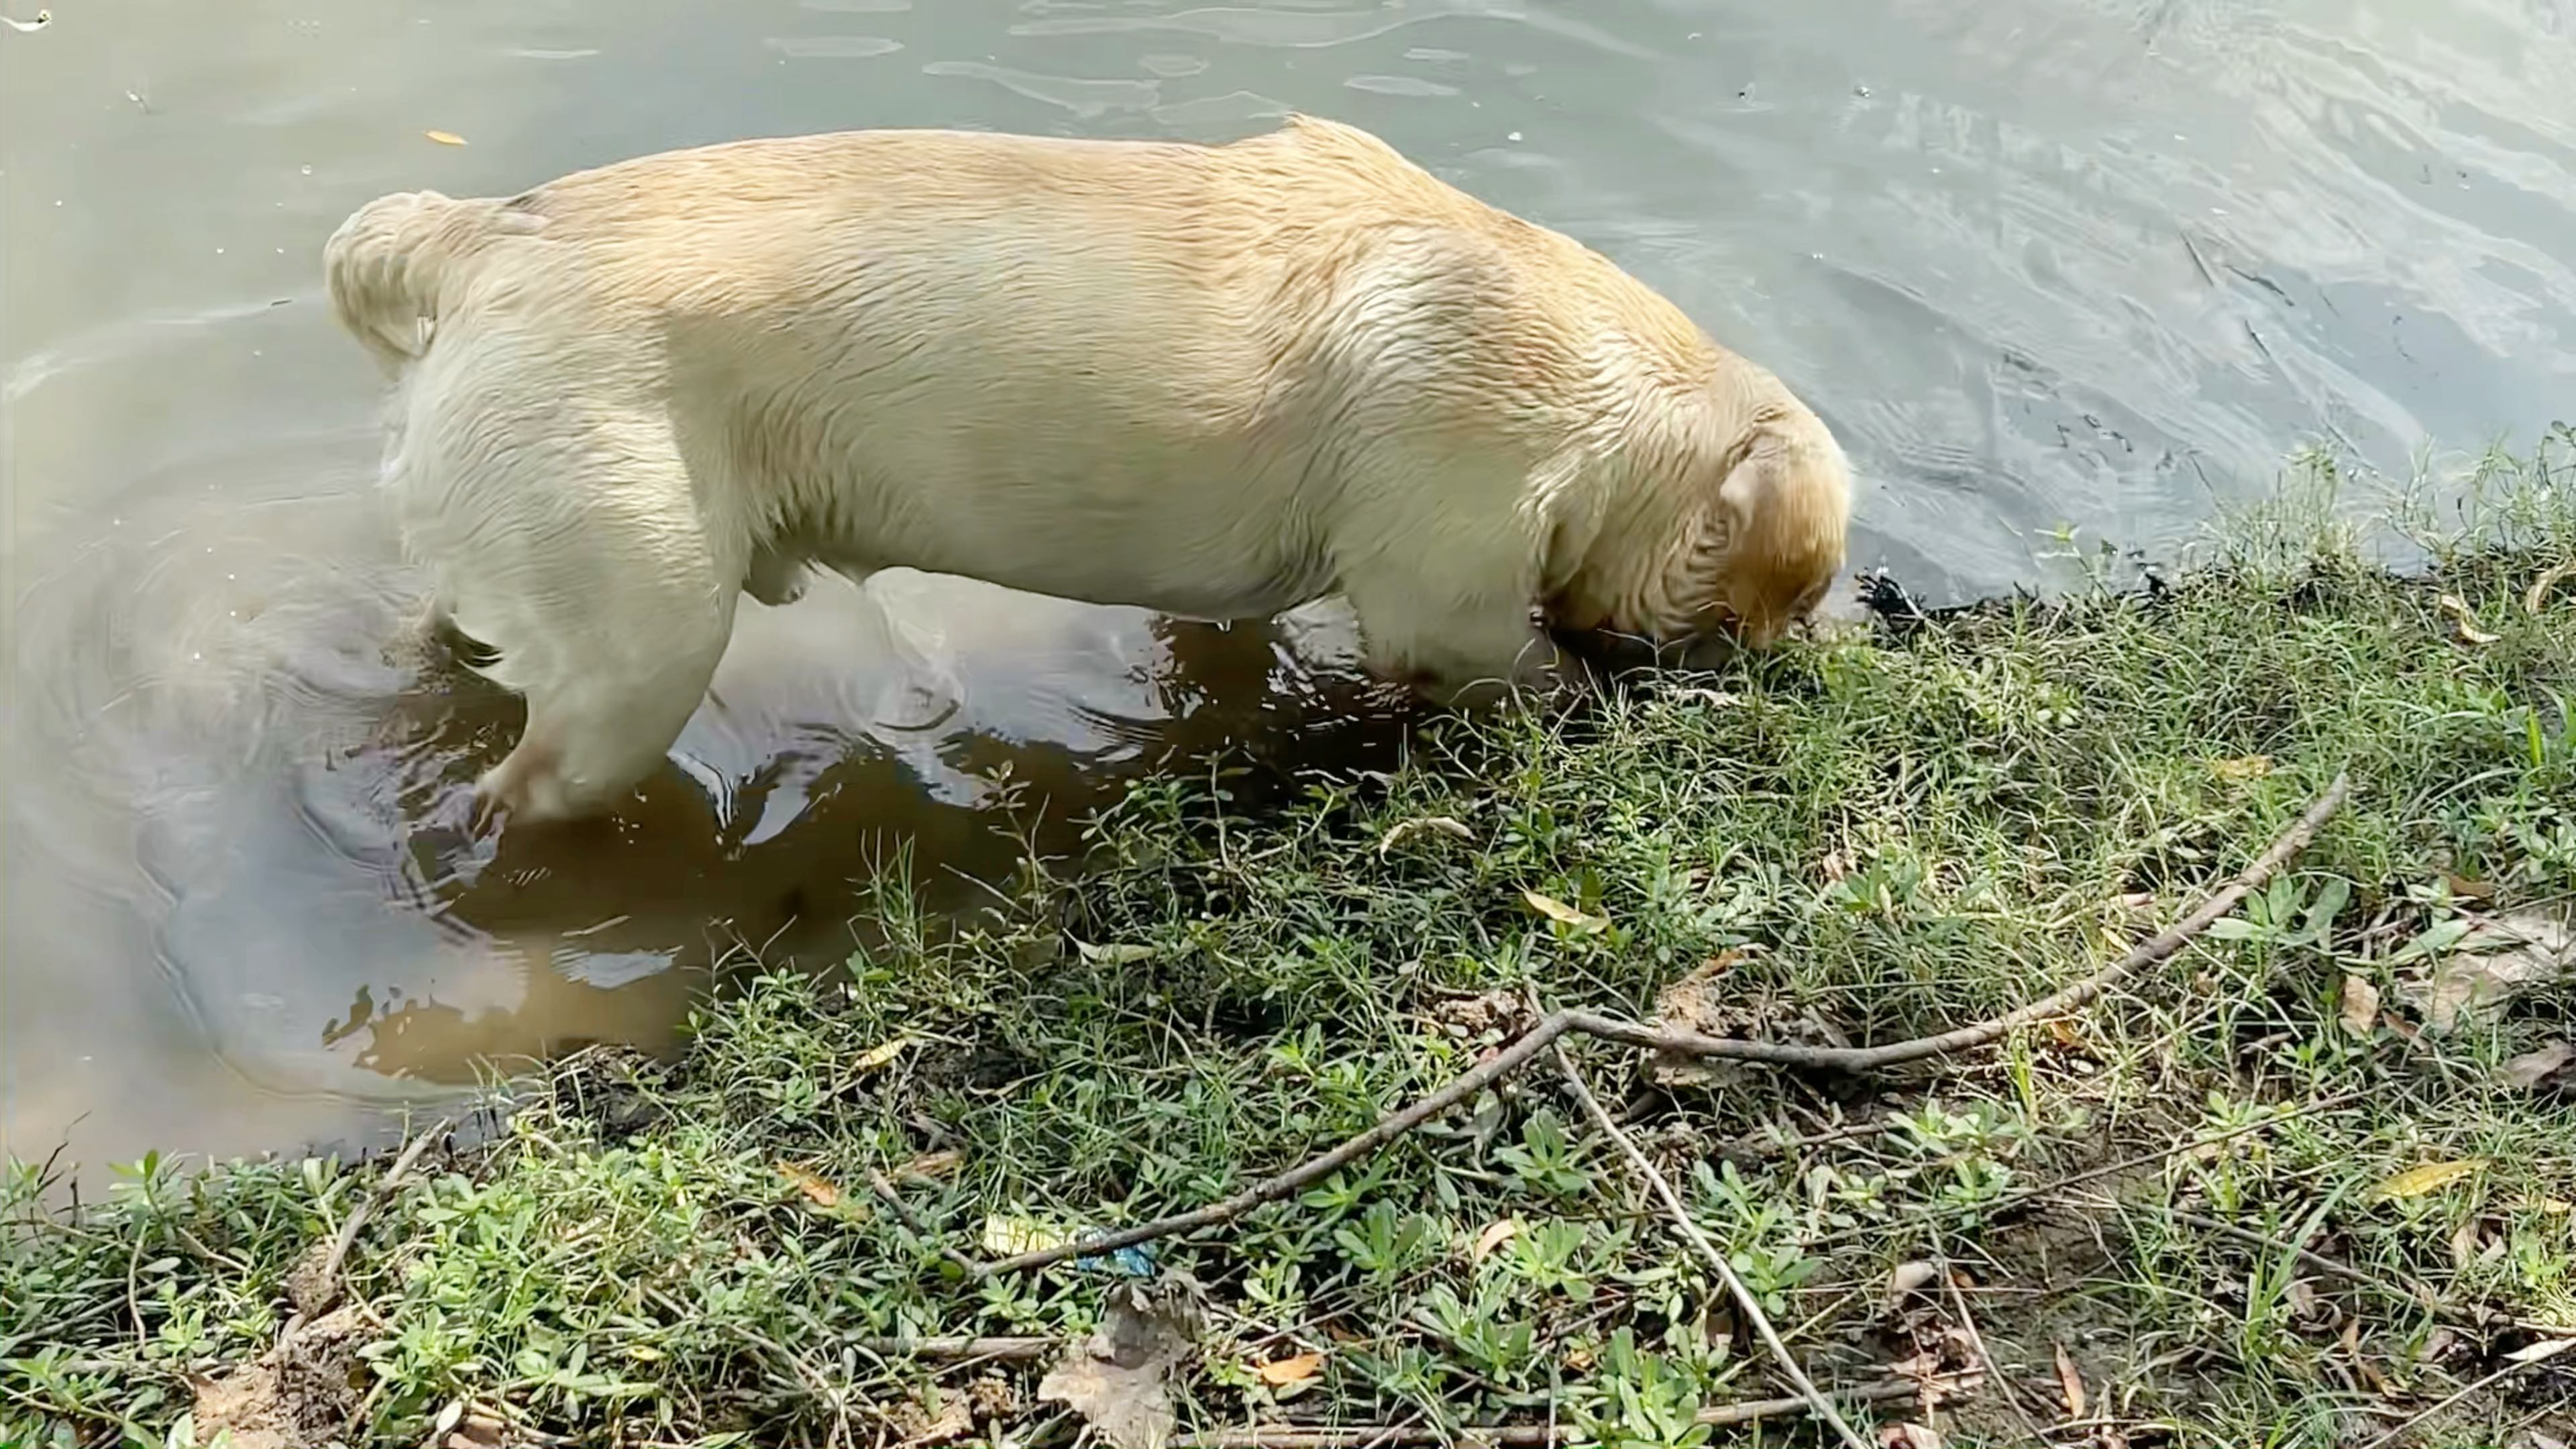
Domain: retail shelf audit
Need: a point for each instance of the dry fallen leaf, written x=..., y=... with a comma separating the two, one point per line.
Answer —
x=1114, y=955
x=2360, y=1005
x=2430, y=1176
x=2498, y=960
x=445, y=138
x=2467, y=889
x=2531, y=1068
x=2248, y=767
x=1563, y=914
x=2070, y=1382
x=2465, y=619
x=1296, y=1369
x=1713, y=698
x=931, y=1166
x=2534, y=599
x=877, y=1056
x=1404, y=830
x=1909, y=1436
x=1494, y=1236
x=1115, y=1378
x=818, y=1190
x=1909, y=1277
x=950, y=1417
x=2541, y=1352
x=1007, y=1235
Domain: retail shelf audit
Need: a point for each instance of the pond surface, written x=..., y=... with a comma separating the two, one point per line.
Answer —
x=2040, y=263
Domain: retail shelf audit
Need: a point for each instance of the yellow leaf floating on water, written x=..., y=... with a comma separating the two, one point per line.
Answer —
x=2417, y=1181
x=877, y=1056
x=1563, y=914
x=820, y=1191
x=445, y=138
x=1007, y=1235
x=1280, y=1372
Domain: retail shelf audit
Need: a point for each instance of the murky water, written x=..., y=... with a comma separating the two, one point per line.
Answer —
x=2039, y=262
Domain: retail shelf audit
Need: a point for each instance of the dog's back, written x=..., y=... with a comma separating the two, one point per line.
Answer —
x=1209, y=380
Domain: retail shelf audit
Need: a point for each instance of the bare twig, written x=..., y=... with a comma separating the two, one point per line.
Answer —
x=2533, y=1357
x=1541, y=1036
x=1510, y=1436
x=1977, y=1341
x=327, y=1282
x=892, y=1197
x=2415, y=1294
x=1745, y=1298
x=952, y=1349
x=1493, y=1069
x=2153, y=951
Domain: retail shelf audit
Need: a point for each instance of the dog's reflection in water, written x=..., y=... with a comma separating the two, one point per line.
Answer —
x=762, y=840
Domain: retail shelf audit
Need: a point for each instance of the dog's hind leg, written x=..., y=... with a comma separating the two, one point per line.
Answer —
x=572, y=546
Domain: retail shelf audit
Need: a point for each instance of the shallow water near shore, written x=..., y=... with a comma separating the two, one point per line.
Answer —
x=2039, y=264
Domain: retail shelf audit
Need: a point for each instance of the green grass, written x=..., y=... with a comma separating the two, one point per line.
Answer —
x=1881, y=836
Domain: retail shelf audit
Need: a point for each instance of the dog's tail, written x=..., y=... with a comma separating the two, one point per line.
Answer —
x=398, y=259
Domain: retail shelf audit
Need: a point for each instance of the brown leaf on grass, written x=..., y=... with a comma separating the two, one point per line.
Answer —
x=1494, y=1236
x=2070, y=1382
x=2535, y=598
x=1404, y=830
x=2427, y=1177
x=2467, y=889
x=1295, y=1369
x=1699, y=1002
x=2360, y=1005
x=931, y=1166
x=1565, y=915
x=2465, y=620
x=2532, y=1068
x=880, y=1054
x=1909, y=1278
x=2500, y=959
x=946, y=1418
x=1115, y=1379
x=445, y=138
x=1909, y=1436
x=1498, y=1010
x=818, y=1190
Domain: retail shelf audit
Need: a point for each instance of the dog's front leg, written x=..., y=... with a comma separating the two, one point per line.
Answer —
x=1462, y=654
x=775, y=578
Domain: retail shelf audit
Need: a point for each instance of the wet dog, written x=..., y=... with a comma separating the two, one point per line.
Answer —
x=1213, y=381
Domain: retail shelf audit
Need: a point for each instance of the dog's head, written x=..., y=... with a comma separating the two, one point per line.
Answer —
x=1759, y=539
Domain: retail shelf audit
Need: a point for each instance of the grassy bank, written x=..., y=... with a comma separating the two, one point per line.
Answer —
x=2301, y=1184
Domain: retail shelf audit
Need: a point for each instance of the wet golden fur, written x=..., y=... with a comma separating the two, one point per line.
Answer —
x=1217, y=381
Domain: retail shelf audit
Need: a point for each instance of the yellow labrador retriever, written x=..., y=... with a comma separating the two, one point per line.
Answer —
x=1214, y=381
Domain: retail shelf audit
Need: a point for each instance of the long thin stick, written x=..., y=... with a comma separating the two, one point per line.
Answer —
x=328, y=1285
x=2541, y=1354
x=952, y=1347
x=2153, y=951
x=1679, y=1211
x=1630, y=1033
x=1511, y=1436
x=1493, y=1069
